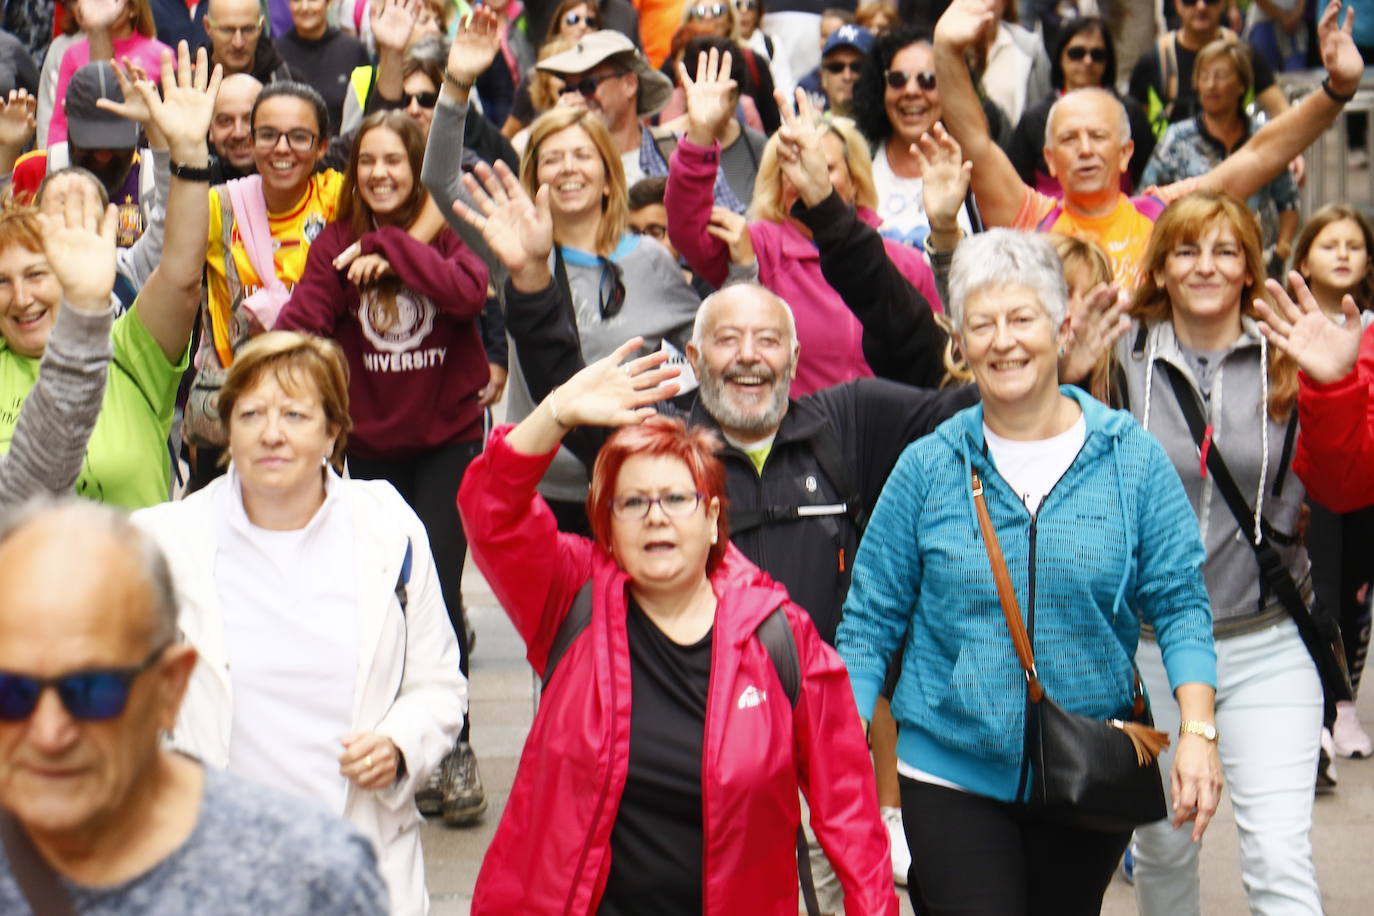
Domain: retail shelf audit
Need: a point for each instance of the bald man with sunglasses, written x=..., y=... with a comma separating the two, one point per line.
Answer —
x=95, y=816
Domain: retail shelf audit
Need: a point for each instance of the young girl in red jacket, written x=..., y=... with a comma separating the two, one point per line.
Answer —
x=406, y=314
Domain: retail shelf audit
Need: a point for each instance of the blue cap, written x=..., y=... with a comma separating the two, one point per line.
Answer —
x=849, y=36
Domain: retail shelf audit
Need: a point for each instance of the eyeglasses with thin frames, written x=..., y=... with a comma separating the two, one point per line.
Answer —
x=235, y=31
x=93, y=695
x=675, y=504
x=300, y=140
x=897, y=79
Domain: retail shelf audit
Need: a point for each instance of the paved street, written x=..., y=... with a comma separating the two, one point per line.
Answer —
x=502, y=710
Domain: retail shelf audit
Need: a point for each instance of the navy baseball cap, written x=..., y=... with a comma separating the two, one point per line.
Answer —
x=849, y=36
x=88, y=125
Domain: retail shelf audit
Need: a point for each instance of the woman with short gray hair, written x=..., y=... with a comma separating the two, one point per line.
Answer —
x=1097, y=534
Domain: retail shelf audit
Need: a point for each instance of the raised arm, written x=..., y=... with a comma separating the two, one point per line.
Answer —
x=392, y=22
x=17, y=127
x=49, y=442
x=1278, y=142
x=996, y=186
x=170, y=301
x=137, y=262
x=689, y=196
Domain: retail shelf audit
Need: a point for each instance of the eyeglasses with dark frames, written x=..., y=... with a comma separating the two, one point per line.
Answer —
x=587, y=86
x=653, y=230
x=897, y=79
x=299, y=139
x=573, y=19
x=707, y=11
x=93, y=695
x=675, y=503
x=839, y=66
x=1078, y=52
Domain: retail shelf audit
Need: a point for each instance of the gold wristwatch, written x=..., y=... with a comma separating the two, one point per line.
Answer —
x=1193, y=727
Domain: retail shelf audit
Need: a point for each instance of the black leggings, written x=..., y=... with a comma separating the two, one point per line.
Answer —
x=973, y=856
x=429, y=483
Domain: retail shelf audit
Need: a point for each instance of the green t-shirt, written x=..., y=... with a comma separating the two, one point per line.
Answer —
x=126, y=460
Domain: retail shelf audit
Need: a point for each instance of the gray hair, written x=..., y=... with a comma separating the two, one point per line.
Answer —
x=1007, y=257
x=86, y=515
x=699, y=326
x=1123, y=123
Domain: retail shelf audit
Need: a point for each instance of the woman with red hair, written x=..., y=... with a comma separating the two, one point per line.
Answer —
x=691, y=699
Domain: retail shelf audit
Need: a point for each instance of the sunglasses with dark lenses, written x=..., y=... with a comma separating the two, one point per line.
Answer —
x=897, y=79
x=1078, y=52
x=746, y=6
x=587, y=87
x=612, y=304
x=1203, y=2
x=839, y=66
x=423, y=99
x=90, y=696
x=707, y=11
x=573, y=19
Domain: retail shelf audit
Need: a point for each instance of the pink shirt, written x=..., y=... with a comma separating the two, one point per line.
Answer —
x=144, y=51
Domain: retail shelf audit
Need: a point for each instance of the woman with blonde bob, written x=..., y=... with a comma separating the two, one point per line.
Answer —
x=1195, y=340
x=773, y=246
x=328, y=668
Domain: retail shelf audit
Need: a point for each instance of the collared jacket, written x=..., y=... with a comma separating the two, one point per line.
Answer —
x=408, y=686
x=1112, y=544
x=1335, y=455
x=551, y=852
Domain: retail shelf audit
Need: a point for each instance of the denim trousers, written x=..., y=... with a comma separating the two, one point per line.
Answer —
x=1269, y=720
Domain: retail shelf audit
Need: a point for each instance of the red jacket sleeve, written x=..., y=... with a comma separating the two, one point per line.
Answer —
x=534, y=569
x=320, y=297
x=689, y=198
x=837, y=775
x=1335, y=454
x=447, y=271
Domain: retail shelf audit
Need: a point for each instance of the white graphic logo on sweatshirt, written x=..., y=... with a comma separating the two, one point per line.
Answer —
x=752, y=696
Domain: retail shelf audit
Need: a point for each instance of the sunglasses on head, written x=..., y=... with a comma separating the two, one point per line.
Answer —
x=423, y=99
x=586, y=87
x=573, y=19
x=90, y=696
x=839, y=66
x=707, y=11
x=897, y=79
x=1078, y=52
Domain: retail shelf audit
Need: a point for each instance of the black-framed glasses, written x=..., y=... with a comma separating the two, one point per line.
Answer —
x=675, y=503
x=1078, y=52
x=93, y=695
x=653, y=230
x=839, y=66
x=299, y=139
x=423, y=99
x=707, y=11
x=611, y=304
x=573, y=19
x=897, y=79
x=587, y=86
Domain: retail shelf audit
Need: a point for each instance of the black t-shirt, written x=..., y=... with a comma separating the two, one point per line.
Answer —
x=1148, y=74
x=656, y=843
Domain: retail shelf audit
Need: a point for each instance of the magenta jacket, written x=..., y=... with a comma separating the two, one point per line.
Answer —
x=551, y=852
x=789, y=264
x=413, y=386
x=1335, y=456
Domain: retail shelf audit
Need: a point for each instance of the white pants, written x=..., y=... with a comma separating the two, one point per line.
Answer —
x=1269, y=716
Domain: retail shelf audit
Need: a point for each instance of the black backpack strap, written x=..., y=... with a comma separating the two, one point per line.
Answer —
x=808, y=883
x=579, y=616
x=1274, y=574
x=37, y=880
x=1286, y=459
x=826, y=448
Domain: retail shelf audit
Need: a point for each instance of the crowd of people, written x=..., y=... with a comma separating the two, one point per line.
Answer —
x=819, y=389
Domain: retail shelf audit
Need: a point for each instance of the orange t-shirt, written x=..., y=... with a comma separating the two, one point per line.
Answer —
x=658, y=22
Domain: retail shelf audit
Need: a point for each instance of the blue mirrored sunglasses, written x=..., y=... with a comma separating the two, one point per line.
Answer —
x=92, y=696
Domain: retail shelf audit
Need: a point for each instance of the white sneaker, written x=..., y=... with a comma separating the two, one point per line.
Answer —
x=896, y=835
x=1348, y=738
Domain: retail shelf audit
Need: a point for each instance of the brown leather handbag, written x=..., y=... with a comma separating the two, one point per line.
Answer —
x=1084, y=772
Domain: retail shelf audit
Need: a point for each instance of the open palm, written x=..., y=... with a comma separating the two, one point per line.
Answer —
x=1325, y=350
x=710, y=96
x=474, y=46
x=518, y=230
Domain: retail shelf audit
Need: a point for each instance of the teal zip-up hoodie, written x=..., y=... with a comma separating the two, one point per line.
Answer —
x=1114, y=542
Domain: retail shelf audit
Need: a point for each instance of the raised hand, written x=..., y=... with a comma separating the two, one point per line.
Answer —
x=963, y=24
x=392, y=22
x=17, y=120
x=1326, y=351
x=799, y=149
x=1340, y=57
x=519, y=231
x=79, y=240
x=1095, y=325
x=710, y=97
x=474, y=46
x=183, y=110
x=609, y=394
x=945, y=177
x=732, y=229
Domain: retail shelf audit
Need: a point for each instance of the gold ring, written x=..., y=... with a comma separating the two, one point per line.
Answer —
x=367, y=761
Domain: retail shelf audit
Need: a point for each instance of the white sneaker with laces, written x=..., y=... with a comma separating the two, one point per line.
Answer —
x=1348, y=738
x=896, y=835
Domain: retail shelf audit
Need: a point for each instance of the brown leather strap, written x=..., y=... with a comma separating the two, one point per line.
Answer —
x=1011, y=609
x=36, y=878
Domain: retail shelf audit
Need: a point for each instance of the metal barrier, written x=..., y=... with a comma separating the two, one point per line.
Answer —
x=1335, y=174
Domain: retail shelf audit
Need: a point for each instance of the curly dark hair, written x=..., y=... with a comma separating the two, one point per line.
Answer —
x=869, y=111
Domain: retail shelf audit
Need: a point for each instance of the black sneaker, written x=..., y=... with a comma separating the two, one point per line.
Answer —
x=1326, y=770
x=464, y=799
x=430, y=799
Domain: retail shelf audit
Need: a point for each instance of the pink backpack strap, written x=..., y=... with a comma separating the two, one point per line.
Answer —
x=1047, y=224
x=1148, y=206
x=250, y=215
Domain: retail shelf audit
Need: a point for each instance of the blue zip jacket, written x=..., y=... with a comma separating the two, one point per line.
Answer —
x=1114, y=542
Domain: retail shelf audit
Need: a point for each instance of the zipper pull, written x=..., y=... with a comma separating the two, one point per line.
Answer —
x=1204, y=449
x=841, y=559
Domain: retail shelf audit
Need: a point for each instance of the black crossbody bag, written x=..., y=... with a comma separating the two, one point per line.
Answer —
x=1326, y=649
